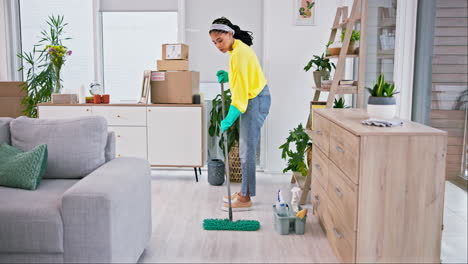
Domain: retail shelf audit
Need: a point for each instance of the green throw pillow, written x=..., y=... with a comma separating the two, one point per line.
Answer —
x=20, y=169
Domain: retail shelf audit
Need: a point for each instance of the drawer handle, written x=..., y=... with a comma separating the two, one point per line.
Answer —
x=337, y=234
x=318, y=132
x=317, y=200
x=118, y=136
x=149, y=110
x=339, y=149
x=87, y=110
x=338, y=192
x=118, y=155
x=118, y=115
x=318, y=166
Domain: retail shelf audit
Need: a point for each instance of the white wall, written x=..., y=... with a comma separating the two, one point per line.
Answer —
x=287, y=50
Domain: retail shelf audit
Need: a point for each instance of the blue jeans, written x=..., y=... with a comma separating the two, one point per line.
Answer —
x=251, y=123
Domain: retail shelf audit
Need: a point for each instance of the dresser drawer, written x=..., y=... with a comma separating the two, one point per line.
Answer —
x=320, y=167
x=130, y=141
x=344, y=151
x=319, y=201
x=344, y=195
x=122, y=116
x=60, y=112
x=342, y=239
x=321, y=133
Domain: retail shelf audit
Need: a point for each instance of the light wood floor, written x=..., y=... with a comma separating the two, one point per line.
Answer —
x=180, y=205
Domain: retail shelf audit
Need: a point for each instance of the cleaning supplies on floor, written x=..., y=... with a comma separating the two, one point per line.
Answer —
x=291, y=222
x=295, y=196
x=280, y=205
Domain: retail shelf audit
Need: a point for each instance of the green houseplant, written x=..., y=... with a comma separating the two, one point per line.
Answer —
x=355, y=36
x=43, y=66
x=323, y=67
x=382, y=103
x=295, y=157
x=340, y=103
x=214, y=130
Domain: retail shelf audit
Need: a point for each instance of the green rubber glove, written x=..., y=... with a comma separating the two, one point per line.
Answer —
x=231, y=117
x=222, y=76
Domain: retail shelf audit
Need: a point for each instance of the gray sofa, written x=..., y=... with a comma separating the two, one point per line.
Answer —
x=89, y=206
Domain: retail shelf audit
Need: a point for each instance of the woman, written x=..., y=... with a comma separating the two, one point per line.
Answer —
x=250, y=101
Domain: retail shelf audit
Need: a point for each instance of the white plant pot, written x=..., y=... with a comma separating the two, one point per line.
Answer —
x=381, y=107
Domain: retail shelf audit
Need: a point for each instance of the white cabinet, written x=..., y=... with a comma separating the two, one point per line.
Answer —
x=165, y=135
x=130, y=141
x=175, y=136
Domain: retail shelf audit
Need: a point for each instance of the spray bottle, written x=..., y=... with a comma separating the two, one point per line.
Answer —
x=295, y=198
x=281, y=209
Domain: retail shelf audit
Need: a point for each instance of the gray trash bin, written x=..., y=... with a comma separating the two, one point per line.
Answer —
x=215, y=172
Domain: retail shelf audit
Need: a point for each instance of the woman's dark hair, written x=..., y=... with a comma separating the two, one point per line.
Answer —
x=244, y=36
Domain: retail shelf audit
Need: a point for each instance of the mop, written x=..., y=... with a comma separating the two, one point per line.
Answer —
x=228, y=224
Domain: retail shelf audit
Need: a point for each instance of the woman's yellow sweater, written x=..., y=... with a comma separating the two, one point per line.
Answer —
x=246, y=79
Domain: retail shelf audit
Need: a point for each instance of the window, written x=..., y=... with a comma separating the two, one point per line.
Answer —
x=131, y=44
x=78, y=69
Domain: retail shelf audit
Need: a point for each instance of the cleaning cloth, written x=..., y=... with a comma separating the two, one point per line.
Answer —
x=382, y=122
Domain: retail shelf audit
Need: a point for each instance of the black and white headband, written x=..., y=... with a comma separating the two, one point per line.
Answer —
x=222, y=27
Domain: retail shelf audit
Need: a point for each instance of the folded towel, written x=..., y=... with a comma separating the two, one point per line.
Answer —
x=382, y=122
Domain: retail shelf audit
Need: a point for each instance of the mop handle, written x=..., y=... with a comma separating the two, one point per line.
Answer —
x=226, y=154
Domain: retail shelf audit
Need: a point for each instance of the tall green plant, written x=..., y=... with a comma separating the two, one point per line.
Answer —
x=382, y=88
x=40, y=74
x=295, y=159
x=216, y=116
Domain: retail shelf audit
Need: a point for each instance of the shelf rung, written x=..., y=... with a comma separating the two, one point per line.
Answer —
x=344, y=89
x=347, y=55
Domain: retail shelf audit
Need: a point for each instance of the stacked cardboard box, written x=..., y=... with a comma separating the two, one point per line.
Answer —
x=173, y=83
x=11, y=95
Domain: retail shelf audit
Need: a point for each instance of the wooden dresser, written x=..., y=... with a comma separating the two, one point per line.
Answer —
x=378, y=192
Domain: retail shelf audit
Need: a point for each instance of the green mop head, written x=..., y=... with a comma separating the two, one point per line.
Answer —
x=225, y=224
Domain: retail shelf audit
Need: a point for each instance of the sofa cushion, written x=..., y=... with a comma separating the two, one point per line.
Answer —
x=76, y=146
x=5, y=129
x=30, y=221
x=20, y=169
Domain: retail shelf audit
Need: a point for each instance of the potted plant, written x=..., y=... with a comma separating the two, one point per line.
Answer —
x=323, y=68
x=43, y=66
x=382, y=103
x=334, y=48
x=340, y=103
x=214, y=130
x=295, y=156
x=355, y=36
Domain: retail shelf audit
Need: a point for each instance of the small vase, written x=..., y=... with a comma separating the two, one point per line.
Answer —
x=318, y=79
x=57, y=82
x=351, y=47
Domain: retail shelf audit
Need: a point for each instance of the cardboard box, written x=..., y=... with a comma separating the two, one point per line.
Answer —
x=176, y=51
x=172, y=65
x=11, y=95
x=175, y=87
x=64, y=98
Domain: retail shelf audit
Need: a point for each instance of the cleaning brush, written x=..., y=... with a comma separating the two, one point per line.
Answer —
x=228, y=224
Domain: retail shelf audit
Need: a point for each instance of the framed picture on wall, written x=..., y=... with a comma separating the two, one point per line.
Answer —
x=304, y=12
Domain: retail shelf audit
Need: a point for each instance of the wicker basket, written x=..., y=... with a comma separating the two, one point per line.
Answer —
x=235, y=171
